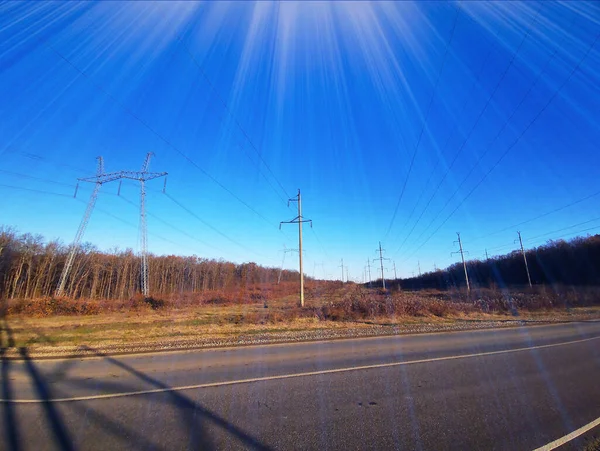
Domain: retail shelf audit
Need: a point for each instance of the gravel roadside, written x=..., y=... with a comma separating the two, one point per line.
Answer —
x=49, y=352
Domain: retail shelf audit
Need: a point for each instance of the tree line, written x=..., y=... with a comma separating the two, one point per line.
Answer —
x=30, y=268
x=575, y=262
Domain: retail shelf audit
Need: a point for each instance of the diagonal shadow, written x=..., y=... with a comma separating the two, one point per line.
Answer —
x=10, y=423
x=184, y=404
x=118, y=430
x=59, y=430
x=193, y=414
x=133, y=439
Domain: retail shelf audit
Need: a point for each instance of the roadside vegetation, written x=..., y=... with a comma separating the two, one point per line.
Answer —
x=194, y=297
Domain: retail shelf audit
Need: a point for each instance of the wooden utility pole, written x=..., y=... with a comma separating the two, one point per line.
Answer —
x=298, y=219
x=462, y=255
x=524, y=258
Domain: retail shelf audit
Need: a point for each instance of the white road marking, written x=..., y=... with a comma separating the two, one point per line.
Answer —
x=567, y=438
x=285, y=376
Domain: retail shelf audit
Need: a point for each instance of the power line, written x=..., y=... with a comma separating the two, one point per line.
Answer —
x=470, y=132
x=224, y=103
x=543, y=215
x=514, y=143
x=26, y=176
x=467, y=100
x=126, y=109
x=35, y=190
x=427, y=111
x=320, y=244
x=210, y=226
x=45, y=159
x=177, y=229
x=564, y=228
x=496, y=136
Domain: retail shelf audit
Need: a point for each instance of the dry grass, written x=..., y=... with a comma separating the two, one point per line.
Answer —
x=64, y=322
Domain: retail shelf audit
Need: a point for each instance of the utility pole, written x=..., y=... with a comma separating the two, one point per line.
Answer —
x=369, y=268
x=342, y=266
x=99, y=179
x=419, y=265
x=462, y=255
x=299, y=220
x=524, y=258
x=395, y=275
x=347, y=278
x=381, y=259
x=486, y=256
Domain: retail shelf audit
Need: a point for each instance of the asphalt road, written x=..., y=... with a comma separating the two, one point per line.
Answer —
x=505, y=389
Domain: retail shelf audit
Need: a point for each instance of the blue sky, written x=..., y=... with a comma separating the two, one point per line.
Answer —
x=496, y=106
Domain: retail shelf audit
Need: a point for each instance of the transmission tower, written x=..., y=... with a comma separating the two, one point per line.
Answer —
x=285, y=251
x=342, y=266
x=298, y=220
x=143, y=176
x=99, y=179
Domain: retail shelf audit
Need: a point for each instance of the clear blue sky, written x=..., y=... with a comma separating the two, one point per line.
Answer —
x=497, y=106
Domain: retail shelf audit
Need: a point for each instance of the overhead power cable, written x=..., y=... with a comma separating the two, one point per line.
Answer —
x=474, y=126
x=233, y=117
x=210, y=226
x=177, y=229
x=565, y=228
x=438, y=160
x=514, y=143
x=39, y=191
x=27, y=176
x=424, y=123
x=543, y=215
x=496, y=136
x=128, y=110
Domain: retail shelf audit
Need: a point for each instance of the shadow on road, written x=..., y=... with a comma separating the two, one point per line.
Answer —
x=10, y=423
x=192, y=413
x=193, y=417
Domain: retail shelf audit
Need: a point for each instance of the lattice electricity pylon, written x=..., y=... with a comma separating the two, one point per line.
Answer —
x=99, y=179
x=143, y=176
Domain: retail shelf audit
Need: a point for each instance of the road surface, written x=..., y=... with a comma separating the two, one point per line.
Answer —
x=504, y=389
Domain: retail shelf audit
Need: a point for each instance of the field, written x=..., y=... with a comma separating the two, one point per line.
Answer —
x=53, y=326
